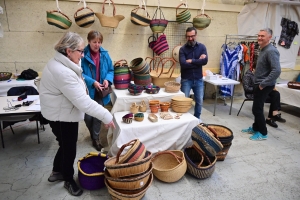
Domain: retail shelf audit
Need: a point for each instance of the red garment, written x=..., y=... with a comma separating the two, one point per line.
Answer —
x=251, y=55
x=96, y=60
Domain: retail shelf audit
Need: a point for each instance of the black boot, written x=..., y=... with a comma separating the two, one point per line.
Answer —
x=271, y=122
x=97, y=145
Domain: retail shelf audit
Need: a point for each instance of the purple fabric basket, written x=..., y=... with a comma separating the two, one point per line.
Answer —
x=91, y=171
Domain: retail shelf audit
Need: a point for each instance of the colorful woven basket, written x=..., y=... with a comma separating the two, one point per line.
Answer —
x=86, y=19
x=184, y=15
x=169, y=166
x=91, y=171
x=137, y=19
x=201, y=21
x=205, y=140
x=136, y=152
x=198, y=164
x=128, y=169
x=158, y=25
x=58, y=19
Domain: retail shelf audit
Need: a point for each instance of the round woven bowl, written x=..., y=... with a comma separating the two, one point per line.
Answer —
x=197, y=165
x=172, y=86
x=4, y=76
x=139, y=117
x=128, y=195
x=179, y=109
x=127, y=118
x=169, y=166
x=129, y=183
x=128, y=169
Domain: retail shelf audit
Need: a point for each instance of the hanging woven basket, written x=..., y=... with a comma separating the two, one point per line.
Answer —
x=86, y=19
x=58, y=19
x=201, y=21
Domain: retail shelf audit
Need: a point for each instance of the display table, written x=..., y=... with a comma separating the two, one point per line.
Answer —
x=24, y=112
x=220, y=82
x=156, y=136
x=287, y=95
x=6, y=85
x=122, y=100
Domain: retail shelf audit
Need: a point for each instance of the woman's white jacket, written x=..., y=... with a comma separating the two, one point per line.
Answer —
x=63, y=93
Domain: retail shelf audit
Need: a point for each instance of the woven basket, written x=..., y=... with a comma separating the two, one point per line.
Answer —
x=129, y=183
x=4, y=76
x=109, y=21
x=143, y=107
x=184, y=15
x=128, y=169
x=139, y=117
x=198, y=164
x=86, y=19
x=58, y=19
x=201, y=21
x=137, y=19
x=136, y=152
x=172, y=86
x=169, y=166
x=205, y=140
x=128, y=195
x=224, y=134
x=90, y=171
x=223, y=153
x=134, y=108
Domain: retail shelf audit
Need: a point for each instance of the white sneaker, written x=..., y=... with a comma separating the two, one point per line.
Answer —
x=200, y=121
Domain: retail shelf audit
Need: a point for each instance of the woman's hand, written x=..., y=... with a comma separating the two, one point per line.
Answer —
x=110, y=125
x=97, y=86
x=105, y=84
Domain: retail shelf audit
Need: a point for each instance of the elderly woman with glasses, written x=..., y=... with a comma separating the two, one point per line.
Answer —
x=64, y=100
x=98, y=72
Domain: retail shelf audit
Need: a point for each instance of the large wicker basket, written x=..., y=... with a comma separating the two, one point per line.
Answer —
x=90, y=171
x=169, y=166
x=198, y=164
x=128, y=169
x=172, y=86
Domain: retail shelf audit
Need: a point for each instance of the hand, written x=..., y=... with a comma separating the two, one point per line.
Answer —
x=105, y=84
x=110, y=125
x=260, y=87
x=97, y=86
x=189, y=61
x=202, y=56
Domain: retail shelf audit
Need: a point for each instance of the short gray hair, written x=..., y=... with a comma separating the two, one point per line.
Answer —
x=268, y=30
x=69, y=40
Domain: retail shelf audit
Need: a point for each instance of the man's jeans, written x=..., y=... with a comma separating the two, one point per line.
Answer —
x=197, y=87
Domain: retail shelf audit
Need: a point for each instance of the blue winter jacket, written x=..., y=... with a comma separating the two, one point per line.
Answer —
x=192, y=70
x=89, y=71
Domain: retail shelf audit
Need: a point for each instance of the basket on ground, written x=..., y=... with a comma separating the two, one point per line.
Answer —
x=169, y=166
x=198, y=164
x=91, y=171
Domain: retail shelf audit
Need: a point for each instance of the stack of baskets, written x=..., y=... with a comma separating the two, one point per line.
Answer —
x=181, y=104
x=169, y=166
x=129, y=176
x=140, y=69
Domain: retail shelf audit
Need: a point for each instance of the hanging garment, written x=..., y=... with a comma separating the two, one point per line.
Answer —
x=289, y=31
x=228, y=65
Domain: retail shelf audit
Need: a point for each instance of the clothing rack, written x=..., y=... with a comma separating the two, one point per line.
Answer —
x=245, y=38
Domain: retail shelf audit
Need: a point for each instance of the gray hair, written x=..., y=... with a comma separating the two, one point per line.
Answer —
x=69, y=40
x=268, y=30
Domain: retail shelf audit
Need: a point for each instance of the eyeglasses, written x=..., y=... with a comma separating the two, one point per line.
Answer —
x=190, y=36
x=81, y=51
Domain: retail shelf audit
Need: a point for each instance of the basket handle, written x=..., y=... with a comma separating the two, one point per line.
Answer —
x=153, y=40
x=131, y=143
x=211, y=130
x=179, y=6
x=75, y=15
x=143, y=8
x=161, y=13
x=201, y=15
x=164, y=60
x=114, y=9
x=121, y=63
x=169, y=152
x=203, y=155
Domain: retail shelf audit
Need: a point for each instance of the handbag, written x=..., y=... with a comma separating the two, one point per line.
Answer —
x=158, y=25
x=107, y=21
x=104, y=92
x=160, y=45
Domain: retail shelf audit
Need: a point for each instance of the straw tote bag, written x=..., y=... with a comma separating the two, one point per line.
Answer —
x=58, y=19
x=109, y=21
x=86, y=19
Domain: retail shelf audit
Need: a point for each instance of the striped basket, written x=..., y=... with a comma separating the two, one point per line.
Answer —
x=84, y=20
x=137, y=19
x=58, y=19
x=184, y=15
x=136, y=152
x=198, y=164
x=205, y=140
x=122, y=76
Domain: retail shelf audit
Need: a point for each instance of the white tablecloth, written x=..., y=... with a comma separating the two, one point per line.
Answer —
x=156, y=136
x=6, y=85
x=288, y=95
x=122, y=100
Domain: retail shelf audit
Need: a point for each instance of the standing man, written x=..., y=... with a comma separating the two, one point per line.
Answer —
x=267, y=71
x=192, y=56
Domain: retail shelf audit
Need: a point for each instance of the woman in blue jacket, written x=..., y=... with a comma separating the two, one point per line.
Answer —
x=98, y=72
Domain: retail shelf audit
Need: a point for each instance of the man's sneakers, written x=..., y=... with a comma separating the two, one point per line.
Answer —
x=258, y=136
x=271, y=122
x=278, y=118
x=248, y=130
